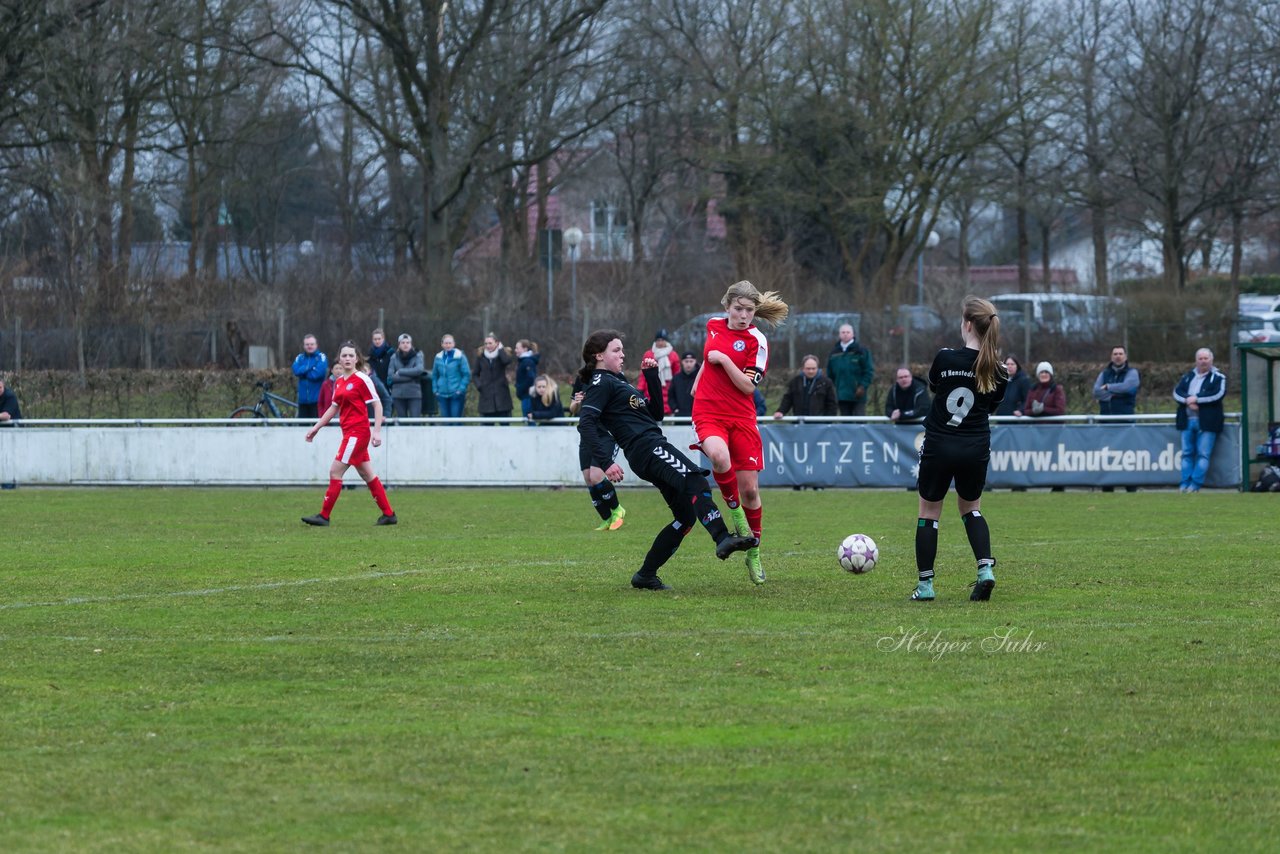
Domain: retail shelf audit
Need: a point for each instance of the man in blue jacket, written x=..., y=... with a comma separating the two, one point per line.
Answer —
x=310, y=367
x=1199, y=394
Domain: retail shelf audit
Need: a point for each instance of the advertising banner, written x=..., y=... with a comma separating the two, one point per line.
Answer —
x=1032, y=454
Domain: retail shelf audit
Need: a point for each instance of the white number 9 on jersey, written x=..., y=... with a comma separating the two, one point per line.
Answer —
x=959, y=402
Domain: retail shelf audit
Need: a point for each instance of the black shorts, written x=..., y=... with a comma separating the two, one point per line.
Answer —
x=945, y=459
x=665, y=466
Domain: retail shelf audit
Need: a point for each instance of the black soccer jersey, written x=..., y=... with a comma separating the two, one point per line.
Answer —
x=615, y=406
x=958, y=408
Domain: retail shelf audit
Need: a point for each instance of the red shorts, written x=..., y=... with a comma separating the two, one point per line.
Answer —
x=746, y=451
x=354, y=450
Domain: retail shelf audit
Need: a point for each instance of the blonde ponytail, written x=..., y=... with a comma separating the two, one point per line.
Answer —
x=769, y=305
x=988, y=368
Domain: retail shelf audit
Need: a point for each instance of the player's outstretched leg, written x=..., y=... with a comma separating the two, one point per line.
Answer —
x=664, y=546
x=726, y=541
x=926, y=553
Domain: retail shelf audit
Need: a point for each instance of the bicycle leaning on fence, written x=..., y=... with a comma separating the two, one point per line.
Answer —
x=268, y=406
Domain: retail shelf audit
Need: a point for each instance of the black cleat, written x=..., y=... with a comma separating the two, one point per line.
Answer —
x=384, y=519
x=317, y=520
x=651, y=582
x=985, y=584
x=734, y=543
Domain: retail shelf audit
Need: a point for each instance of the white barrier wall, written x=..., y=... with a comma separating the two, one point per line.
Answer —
x=277, y=455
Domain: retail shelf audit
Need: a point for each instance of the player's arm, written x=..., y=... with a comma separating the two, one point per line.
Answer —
x=593, y=449
x=324, y=419
x=650, y=374
x=742, y=382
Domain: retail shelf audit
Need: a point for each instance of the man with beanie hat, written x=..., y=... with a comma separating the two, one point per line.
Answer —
x=1046, y=396
x=668, y=366
x=680, y=392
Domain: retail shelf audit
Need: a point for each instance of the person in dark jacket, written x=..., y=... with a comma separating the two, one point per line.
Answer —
x=379, y=357
x=311, y=367
x=490, y=376
x=908, y=401
x=526, y=373
x=810, y=392
x=1046, y=396
x=405, y=373
x=1199, y=394
x=1116, y=388
x=1019, y=385
x=546, y=400
x=680, y=391
x=9, y=410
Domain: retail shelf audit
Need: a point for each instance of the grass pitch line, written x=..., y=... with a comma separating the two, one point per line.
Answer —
x=242, y=588
x=236, y=588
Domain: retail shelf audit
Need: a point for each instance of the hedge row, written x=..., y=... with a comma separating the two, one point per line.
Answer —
x=215, y=393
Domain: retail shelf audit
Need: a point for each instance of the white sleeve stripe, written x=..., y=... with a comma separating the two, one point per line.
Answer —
x=369, y=388
x=762, y=354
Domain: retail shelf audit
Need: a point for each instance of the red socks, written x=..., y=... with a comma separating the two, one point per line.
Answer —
x=728, y=483
x=331, y=497
x=380, y=496
x=753, y=519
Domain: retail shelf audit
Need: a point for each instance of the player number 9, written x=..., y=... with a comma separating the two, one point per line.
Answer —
x=959, y=402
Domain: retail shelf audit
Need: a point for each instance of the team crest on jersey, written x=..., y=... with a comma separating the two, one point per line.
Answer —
x=739, y=345
x=638, y=402
x=350, y=386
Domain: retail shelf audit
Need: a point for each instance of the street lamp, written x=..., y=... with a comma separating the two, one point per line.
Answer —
x=572, y=238
x=931, y=241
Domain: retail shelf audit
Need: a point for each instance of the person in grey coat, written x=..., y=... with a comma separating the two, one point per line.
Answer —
x=404, y=375
x=490, y=376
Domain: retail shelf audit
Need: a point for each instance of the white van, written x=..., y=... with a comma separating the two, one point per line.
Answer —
x=1081, y=315
x=1250, y=303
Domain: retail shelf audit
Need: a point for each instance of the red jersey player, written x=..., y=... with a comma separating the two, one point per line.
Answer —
x=352, y=391
x=735, y=358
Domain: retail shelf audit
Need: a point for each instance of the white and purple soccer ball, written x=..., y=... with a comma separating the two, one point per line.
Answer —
x=858, y=554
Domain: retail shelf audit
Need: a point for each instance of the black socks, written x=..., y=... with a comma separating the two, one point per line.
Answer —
x=604, y=498
x=926, y=547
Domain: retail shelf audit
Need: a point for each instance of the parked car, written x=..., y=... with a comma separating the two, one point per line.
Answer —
x=1258, y=327
x=801, y=333
x=1079, y=315
x=1250, y=303
x=923, y=319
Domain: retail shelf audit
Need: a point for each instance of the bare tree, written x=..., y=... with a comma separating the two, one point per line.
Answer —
x=1175, y=126
x=1026, y=142
x=1088, y=32
x=460, y=71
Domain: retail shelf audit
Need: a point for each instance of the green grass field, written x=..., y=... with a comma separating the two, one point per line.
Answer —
x=196, y=669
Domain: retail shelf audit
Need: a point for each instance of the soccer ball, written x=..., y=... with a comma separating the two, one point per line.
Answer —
x=858, y=554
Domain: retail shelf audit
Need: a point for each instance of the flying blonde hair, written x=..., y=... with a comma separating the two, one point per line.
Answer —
x=769, y=306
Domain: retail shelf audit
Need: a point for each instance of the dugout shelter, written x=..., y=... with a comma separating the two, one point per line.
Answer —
x=1259, y=395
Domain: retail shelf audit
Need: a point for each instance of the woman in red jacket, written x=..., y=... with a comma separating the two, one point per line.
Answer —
x=1046, y=396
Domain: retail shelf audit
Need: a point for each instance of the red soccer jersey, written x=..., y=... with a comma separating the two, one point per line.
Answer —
x=351, y=394
x=717, y=396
